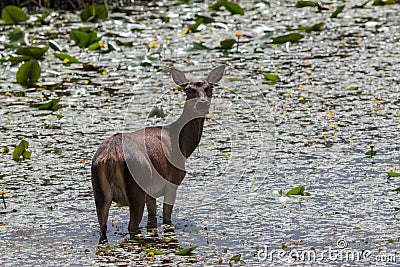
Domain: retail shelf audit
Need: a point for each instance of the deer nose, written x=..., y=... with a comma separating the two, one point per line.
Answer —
x=203, y=103
x=203, y=100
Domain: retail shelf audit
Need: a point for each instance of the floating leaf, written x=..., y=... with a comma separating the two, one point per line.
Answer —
x=156, y=252
x=196, y=24
x=397, y=190
x=200, y=20
x=42, y=18
x=29, y=73
x=63, y=57
x=397, y=208
x=4, y=149
x=13, y=15
x=233, y=8
x=382, y=3
x=157, y=112
x=217, y=5
x=15, y=60
x=32, y=51
x=238, y=79
x=299, y=190
x=370, y=153
x=228, y=43
x=166, y=19
x=17, y=35
x=86, y=29
x=272, y=78
x=235, y=258
x=301, y=4
x=51, y=105
x=393, y=174
x=90, y=67
x=20, y=150
x=230, y=6
x=316, y=27
x=199, y=46
x=291, y=37
x=127, y=44
x=354, y=88
x=82, y=38
x=94, y=13
x=55, y=46
x=94, y=46
x=185, y=252
x=58, y=151
x=337, y=11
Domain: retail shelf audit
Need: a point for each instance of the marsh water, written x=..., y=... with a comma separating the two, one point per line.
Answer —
x=338, y=95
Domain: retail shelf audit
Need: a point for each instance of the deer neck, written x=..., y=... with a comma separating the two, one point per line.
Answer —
x=186, y=131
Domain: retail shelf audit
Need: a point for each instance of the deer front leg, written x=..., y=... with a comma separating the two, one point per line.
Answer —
x=151, y=204
x=167, y=211
x=169, y=200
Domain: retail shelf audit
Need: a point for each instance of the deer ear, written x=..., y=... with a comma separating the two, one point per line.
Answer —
x=178, y=77
x=216, y=74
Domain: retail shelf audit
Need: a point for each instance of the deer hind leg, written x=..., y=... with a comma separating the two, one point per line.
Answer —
x=136, y=201
x=103, y=198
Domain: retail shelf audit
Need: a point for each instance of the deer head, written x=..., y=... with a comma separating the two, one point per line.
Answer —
x=199, y=92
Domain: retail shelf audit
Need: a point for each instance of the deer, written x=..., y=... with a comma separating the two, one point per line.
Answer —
x=135, y=168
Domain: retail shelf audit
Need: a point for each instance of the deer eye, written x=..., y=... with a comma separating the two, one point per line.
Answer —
x=208, y=90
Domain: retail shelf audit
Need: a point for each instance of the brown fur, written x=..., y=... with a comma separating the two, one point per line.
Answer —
x=135, y=168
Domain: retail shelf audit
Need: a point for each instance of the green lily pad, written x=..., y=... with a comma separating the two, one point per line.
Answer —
x=94, y=13
x=291, y=37
x=83, y=39
x=370, y=153
x=29, y=73
x=299, y=190
x=200, y=20
x=228, y=43
x=157, y=112
x=301, y=4
x=70, y=59
x=15, y=60
x=233, y=8
x=32, y=51
x=393, y=174
x=185, y=252
x=337, y=11
x=156, y=252
x=354, y=88
x=4, y=149
x=17, y=35
x=20, y=151
x=199, y=46
x=272, y=78
x=13, y=15
x=51, y=105
x=314, y=28
x=55, y=46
